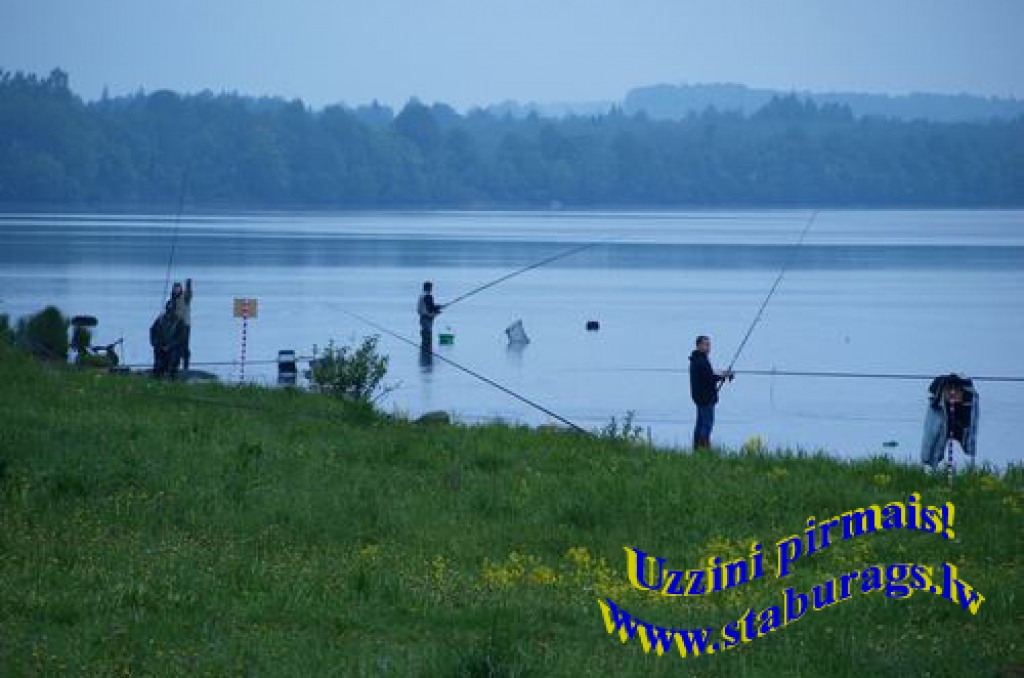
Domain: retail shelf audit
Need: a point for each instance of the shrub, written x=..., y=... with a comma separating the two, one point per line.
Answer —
x=355, y=374
x=44, y=334
x=626, y=432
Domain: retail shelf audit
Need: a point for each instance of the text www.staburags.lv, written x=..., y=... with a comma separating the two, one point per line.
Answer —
x=695, y=642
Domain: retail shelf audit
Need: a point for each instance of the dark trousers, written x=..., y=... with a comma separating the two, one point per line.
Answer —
x=702, y=428
x=426, y=331
x=165, y=362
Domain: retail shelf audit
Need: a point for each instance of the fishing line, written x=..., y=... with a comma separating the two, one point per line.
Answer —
x=177, y=226
x=679, y=370
x=874, y=375
x=556, y=257
x=817, y=374
x=468, y=371
x=771, y=292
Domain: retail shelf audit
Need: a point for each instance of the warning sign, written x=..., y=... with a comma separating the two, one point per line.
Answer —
x=246, y=308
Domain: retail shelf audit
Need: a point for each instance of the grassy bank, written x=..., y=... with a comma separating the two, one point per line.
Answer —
x=157, y=529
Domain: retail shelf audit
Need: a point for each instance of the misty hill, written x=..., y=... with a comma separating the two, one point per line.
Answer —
x=270, y=152
x=673, y=102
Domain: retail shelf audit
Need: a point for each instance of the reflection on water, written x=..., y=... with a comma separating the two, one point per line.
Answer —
x=514, y=352
x=924, y=292
x=426, y=359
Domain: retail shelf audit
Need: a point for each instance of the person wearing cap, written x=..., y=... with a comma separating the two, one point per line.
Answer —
x=428, y=310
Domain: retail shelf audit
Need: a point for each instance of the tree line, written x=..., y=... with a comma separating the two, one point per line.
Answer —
x=237, y=151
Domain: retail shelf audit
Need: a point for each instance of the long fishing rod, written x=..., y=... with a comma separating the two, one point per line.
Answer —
x=771, y=292
x=177, y=226
x=468, y=371
x=556, y=257
x=819, y=374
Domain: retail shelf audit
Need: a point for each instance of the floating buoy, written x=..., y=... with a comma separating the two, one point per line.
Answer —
x=593, y=326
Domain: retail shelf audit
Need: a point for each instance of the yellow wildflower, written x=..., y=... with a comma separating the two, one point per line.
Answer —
x=580, y=557
x=543, y=576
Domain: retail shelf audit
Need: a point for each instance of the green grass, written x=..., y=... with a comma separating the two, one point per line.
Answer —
x=154, y=529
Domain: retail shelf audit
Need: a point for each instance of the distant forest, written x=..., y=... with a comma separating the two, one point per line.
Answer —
x=236, y=151
x=672, y=102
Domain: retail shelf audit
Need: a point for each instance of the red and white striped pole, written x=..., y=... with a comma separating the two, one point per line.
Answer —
x=950, y=418
x=245, y=327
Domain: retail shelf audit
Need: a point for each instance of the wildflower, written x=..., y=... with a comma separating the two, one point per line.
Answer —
x=498, y=576
x=990, y=483
x=543, y=576
x=438, y=567
x=718, y=545
x=754, y=445
x=580, y=557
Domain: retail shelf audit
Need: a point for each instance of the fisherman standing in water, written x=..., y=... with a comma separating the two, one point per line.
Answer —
x=704, y=391
x=427, y=310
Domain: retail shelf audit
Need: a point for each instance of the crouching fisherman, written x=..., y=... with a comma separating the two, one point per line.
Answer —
x=952, y=414
x=167, y=337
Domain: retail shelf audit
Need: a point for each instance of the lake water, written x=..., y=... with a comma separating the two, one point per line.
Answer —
x=873, y=291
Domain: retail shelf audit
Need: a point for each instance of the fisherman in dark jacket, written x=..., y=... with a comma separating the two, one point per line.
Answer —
x=704, y=391
x=427, y=310
x=166, y=335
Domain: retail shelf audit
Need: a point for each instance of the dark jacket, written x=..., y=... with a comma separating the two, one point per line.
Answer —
x=426, y=306
x=703, y=380
x=167, y=331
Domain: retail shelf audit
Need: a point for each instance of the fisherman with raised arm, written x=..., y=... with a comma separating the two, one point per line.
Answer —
x=182, y=300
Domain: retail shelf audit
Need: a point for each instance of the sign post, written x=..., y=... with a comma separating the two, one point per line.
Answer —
x=245, y=309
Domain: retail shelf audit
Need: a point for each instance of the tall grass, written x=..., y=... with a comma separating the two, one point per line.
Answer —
x=160, y=529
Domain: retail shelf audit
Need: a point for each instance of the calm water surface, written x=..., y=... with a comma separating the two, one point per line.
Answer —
x=904, y=292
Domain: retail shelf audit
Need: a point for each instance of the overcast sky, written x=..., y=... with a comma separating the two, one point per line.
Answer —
x=468, y=52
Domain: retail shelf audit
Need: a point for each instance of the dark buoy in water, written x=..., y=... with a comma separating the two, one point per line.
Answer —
x=593, y=326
